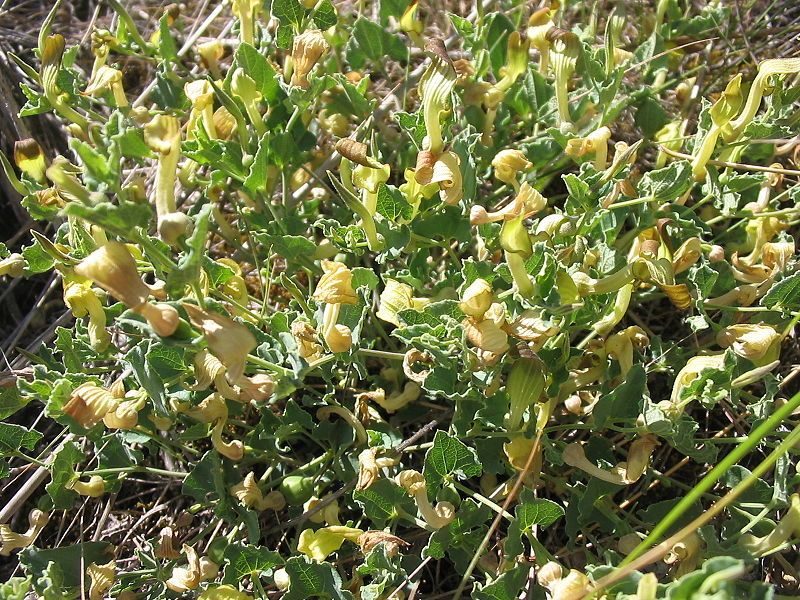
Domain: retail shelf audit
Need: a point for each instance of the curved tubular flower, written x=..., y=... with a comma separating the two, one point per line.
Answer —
x=82, y=300
x=757, y=343
x=211, y=53
x=126, y=415
x=335, y=288
x=527, y=203
x=572, y=586
x=524, y=388
x=411, y=24
x=411, y=392
x=108, y=79
x=63, y=174
x=787, y=528
x=193, y=574
x=324, y=413
x=344, y=189
x=486, y=335
x=574, y=456
x=307, y=49
x=306, y=338
x=539, y=23
x=368, y=179
x=245, y=11
x=435, y=89
x=248, y=493
x=639, y=454
x=595, y=143
x=476, y=298
x=10, y=541
x=565, y=49
x=164, y=547
x=13, y=265
x=163, y=136
x=768, y=68
x=214, y=410
x=369, y=466
x=89, y=403
x=516, y=243
x=721, y=114
x=51, y=55
x=113, y=268
x=414, y=484
x=323, y=542
x=244, y=88
x=94, y=488
x=621, y=302
x=516, y=65
x=508, y=164
x=102, y=578
x=397, y=296
x=328, y=514
x=29, y=158
x=686, y=554
x=201, y=95
x=691, y=371
x=620, y=346
x=610, y=283
x=228, y=340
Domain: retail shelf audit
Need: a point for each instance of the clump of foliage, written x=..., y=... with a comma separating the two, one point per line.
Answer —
x=375, y=304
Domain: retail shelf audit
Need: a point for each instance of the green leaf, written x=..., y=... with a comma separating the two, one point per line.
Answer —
x=376, y=43
x=288, y=11
x=506, y=587
x=784, y=295
x=381, y=500
x=449, y=457
x=147, y=377
x=537, y=511
x=669, y=183
x=11, y=401
x=71, y=560
x=391, y=203
x=62, y=472
x=625, y=402
x=14, y=437
x=15, y=588
x=258, y=68
x=119, y=219
x=256, y=180
x=324, y=15
x=313, y=580
x=167, y=361
x=250, y=561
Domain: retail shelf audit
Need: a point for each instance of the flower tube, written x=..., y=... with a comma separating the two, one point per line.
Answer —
x=193, y=574
x=721, y=114
x=516, y=65
x=564, y=58
x=10, y=541
x=245, y=11
x=163, y=136
x=539, y=23
x=596, y=143
x=113, y=268
x=787, y=528
x=768, y=68
x=201, y=95
x=51, y=55
x=435, y=88
x=335, y=288
x=436, y=517
x=248, y=493
x=108, y=79
x=83, y=301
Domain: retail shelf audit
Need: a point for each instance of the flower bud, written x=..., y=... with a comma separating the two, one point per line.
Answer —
x=94, y=488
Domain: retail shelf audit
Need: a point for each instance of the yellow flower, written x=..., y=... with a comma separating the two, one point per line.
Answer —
x=750, y=341
x=102, y=578
x=477, y=298
x=29, y=157
x=508, y=164
x=228, y=340
x=307, y=49
x=224, y=592
x=196, y=571
x=89, y=403
x=435, y=88
x=336, y=284
x=10, y=541
x=248, y=493
x=320, y=544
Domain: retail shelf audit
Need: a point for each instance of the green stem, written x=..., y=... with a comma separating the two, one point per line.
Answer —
x=268, y=365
